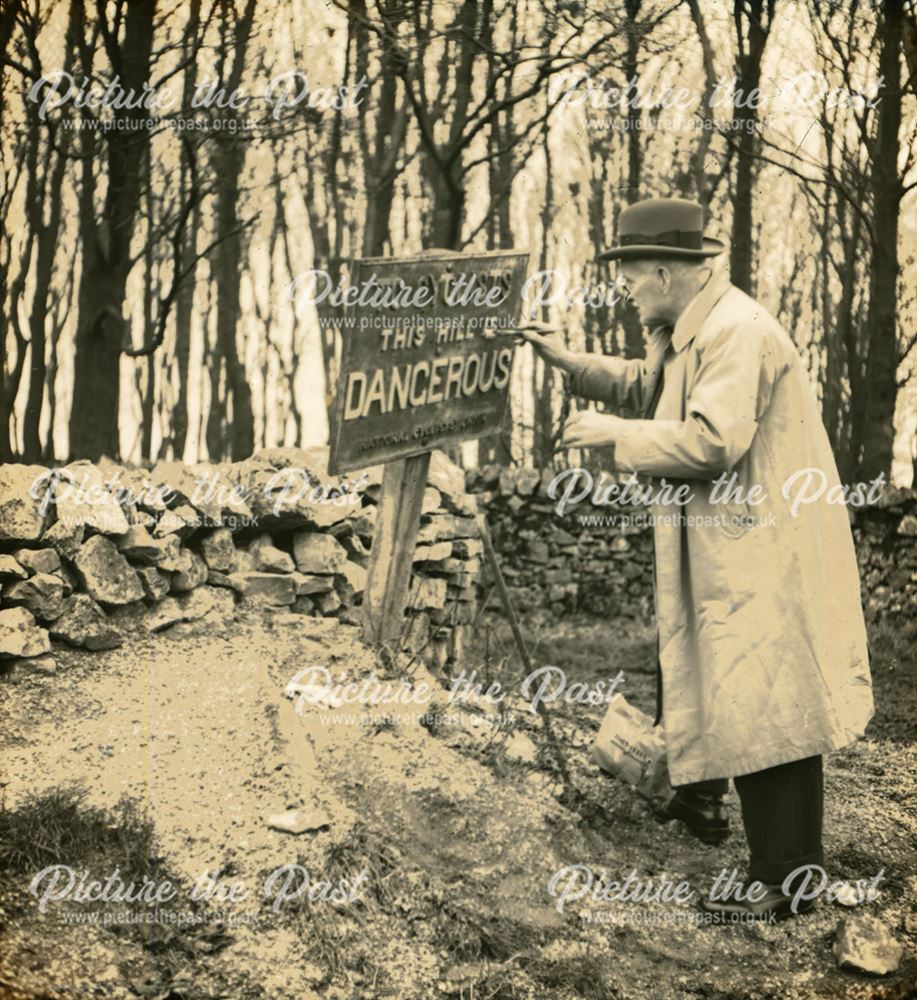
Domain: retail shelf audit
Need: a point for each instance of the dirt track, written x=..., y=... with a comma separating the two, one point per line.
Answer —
x=459, y=833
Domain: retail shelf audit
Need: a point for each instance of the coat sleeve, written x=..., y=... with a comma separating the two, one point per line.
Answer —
x=732, y=388
x=610, y=380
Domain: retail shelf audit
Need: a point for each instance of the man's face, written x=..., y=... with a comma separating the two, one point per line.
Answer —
x=646, y=286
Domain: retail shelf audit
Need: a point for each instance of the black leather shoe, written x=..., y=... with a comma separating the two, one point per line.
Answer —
x=773, y=906
x=703, y=814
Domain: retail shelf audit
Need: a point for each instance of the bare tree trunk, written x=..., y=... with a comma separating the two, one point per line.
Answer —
x=380, y=158
x=101, y=328
x=227, y=266
x=698, y=167
x=43, y=189
x=881, y=320
x=758, y=15
x=38, y=313
x=542, y=374
x=229, y=159
x=634, y=346
x=184, y=299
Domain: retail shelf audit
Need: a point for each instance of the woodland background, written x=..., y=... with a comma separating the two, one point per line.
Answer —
x=147, y=274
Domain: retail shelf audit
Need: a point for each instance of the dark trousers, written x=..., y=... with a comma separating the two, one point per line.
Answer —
x=782, y=813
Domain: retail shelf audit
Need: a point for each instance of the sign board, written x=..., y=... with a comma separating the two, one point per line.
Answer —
x=418, y=369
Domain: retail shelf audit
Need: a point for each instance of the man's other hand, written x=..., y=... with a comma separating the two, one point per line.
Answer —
x=588, y=429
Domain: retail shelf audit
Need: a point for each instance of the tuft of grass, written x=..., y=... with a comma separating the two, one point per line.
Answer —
x=893, y=664
x=586, y=976
x=364, y=850
x=58, y=827
x=585, y=648
x=471, y=933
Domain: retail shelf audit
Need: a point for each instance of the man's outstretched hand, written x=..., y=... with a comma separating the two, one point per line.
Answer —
x=547, y=343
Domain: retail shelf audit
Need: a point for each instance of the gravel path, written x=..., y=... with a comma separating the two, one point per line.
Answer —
x=462, y=834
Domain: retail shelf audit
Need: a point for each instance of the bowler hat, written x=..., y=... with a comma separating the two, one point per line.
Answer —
x=662, y=227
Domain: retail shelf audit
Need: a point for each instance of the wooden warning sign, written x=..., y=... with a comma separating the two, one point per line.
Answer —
x=419, y=369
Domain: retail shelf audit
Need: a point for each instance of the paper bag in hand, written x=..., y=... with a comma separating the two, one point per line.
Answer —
x=628, y=747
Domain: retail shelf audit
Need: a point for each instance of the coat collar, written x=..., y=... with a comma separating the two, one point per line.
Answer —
x=697, y=310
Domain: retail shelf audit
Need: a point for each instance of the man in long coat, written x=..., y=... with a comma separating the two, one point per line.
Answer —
x=762, y=645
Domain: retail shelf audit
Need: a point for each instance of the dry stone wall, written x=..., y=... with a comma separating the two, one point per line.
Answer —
x=89, y=547
x=564, y=564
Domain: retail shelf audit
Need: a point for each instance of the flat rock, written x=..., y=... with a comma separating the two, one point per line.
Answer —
x=83, y=623
x=521, y=748
x=22, y=518
x=289, y=617
x=82, y=497
x=344, y=590
x=20, y=635
x=467, y=548
x=38, y=560
x=432, y=501
x=327, y=603
x=264, y=588
x=443, y=527
x=11, y=569
x=908, y=525
x=433, y=552
x=267, y=558
x=527, y=481
x=327, y=513
x=65, y=538
x=245, y=562
x=865, y=943
x=316, y=553
x=355, y=576
x=135, y=489
x=168, y=554
x=464, y=505
x=188, y=487
x=506, y=483
x=219, y=550
x=436, y=528
x=278, y=498
x=106, y=574
x=299, y=820
x=191, y=572
x=183, y=522
x=42, y=594
x=156, y=582
x=41, y=666
x=302, y=606
x=218, y=491
x=363, y=522
x=311, y=583
x=138, y=544
x=462, y=569
x=204, y=602
x=313, y=460
x=357, y=549
x=445, y=475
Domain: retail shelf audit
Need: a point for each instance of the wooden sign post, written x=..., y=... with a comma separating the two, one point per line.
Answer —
x=421, y=367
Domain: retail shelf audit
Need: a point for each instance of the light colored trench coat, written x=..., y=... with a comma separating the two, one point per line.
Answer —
x=762, y=643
